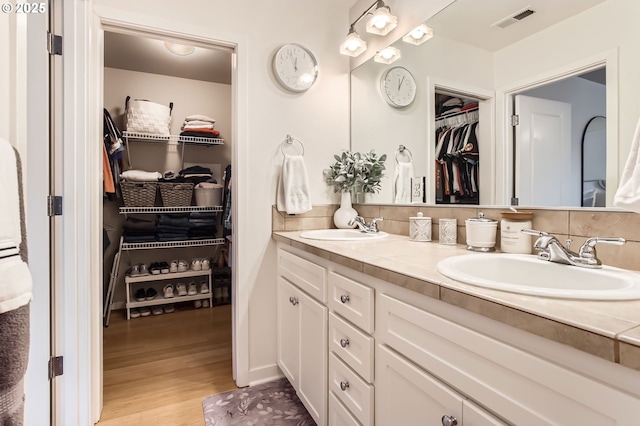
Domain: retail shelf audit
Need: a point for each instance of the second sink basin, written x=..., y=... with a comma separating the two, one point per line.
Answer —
x=342, y=235
x=529, y=275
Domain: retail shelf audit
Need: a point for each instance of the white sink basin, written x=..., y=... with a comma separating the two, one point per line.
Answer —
x=342, y=235
x=530, y=275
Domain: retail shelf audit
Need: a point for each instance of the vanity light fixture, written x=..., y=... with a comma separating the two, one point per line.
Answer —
x=387, y=55
x=353, y=45
x=382, y=22
x=418, y=35
x=179, y=49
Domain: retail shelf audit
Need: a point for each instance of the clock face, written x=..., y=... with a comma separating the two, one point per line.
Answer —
x=295, y=67
x=398, y=87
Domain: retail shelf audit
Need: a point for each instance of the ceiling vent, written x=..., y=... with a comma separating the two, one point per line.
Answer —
x=518, y=16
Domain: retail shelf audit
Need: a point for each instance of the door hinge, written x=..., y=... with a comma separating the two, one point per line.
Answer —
x=54, y=205
x=55, y=366
x=515, y=120
x=54, y=44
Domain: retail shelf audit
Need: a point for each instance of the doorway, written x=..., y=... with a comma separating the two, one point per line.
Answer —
x=184, y=351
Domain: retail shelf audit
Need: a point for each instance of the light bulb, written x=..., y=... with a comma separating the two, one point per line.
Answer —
x=352, y=45
x=387, y=53
x=380, y=22
x=417, y=33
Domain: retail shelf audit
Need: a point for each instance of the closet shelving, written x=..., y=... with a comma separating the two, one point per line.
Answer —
x=134, y=283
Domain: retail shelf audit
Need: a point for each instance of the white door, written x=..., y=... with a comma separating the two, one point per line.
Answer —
x=288, y=330
x=543, y=152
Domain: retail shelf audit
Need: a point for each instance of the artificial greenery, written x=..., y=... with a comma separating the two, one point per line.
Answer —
x=356, y=171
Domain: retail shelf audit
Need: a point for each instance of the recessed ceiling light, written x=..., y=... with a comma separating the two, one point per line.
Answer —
x=179, y=49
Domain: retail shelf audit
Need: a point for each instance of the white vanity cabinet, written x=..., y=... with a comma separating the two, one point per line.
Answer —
x=302, y=331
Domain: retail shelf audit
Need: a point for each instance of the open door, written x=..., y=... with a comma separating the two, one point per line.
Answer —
x=543, y=150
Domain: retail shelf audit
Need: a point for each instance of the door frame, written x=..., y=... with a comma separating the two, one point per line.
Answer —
x=81, y=393
x=504, y=110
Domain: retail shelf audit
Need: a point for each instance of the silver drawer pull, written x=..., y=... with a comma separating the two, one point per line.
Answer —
x=345, y=385
x=293, y=301
x=449, y=421
x=344, y=342
x=344, y=298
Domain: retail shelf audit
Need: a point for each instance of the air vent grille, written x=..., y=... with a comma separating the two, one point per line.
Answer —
x=512, y=19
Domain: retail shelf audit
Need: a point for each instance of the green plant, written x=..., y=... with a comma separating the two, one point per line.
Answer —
x=353, y=170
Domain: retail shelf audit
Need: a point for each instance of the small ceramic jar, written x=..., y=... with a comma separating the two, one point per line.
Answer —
x=448, y=231
x=481, y=233
x=420, y=228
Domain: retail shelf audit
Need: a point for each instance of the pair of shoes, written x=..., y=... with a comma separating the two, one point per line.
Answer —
x=138, y=270
x=179, y=266
x=134, y=313
x=192, y=289
x=197, y=304
x=200, y=264
x=167, y=291
x=141, y=295
x=145, y=311
x=159, y=268
x=156, y=310
x=181, y=289
x=204, y=287
x=169, y=308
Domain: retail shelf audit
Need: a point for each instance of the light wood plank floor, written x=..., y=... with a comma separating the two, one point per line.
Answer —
x=158, y=369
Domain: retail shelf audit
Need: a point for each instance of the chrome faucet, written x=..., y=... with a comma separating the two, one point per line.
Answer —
x=370, y=228
x=552, y=250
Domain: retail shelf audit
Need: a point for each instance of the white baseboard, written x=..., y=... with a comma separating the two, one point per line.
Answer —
x=264, y=374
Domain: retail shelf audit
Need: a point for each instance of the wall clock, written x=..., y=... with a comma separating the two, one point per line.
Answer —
x=398, y=87
x=295, y=67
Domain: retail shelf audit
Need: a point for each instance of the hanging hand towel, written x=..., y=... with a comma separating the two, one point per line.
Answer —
x=628, y=194
x=293, y=186
x=402, y=182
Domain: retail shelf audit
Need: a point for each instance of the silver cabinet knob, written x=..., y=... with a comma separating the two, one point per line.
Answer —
x=344, y=298
x=344, y=385
x=293, y=301
x=344, y=342
x=449, y=421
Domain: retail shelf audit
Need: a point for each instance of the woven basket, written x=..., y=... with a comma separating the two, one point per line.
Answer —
x=138, y=194
x=176, y=194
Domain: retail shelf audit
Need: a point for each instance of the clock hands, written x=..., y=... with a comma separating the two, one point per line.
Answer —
x=400, y=82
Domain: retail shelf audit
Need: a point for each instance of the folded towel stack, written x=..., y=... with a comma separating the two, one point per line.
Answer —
x=141, y=176
x=199, y=126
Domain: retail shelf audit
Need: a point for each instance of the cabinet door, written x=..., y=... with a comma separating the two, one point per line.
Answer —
x=312, y=383
x=476, y=416
x=407, y=395
x=289, y=330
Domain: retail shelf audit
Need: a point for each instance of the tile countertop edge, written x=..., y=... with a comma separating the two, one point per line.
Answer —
x=621, y=346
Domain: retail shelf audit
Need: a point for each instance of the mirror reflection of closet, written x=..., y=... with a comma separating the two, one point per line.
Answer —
x=594, y=160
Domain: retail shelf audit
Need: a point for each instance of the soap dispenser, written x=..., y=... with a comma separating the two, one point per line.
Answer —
x=481, y=233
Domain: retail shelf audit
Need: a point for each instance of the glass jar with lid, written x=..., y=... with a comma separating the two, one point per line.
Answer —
x=512, y=240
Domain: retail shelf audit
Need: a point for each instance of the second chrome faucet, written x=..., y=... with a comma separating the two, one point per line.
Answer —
x=370, y=228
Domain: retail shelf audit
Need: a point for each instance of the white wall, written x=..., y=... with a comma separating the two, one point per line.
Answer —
x=609, y=25
x=318, y=117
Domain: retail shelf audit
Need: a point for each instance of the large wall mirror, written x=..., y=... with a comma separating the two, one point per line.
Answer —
x=549, y=66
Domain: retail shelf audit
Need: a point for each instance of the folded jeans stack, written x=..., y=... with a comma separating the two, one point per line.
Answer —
x=139, y=230
x=202, y=225
x=173, y=227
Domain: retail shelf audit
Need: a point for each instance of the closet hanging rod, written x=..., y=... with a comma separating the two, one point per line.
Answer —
x=290, y=141
x=455, y=114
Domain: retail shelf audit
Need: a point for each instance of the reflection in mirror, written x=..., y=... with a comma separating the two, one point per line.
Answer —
x=552, y=54
x=594, y=152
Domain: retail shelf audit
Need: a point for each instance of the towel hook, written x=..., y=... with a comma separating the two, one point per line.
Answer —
x=289, y=141
x=401, y=150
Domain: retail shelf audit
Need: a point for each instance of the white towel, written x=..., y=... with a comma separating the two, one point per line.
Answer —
x=141, y=176
x=293, y=186
x=628, y=194
x=15, y=278
x=402, y=181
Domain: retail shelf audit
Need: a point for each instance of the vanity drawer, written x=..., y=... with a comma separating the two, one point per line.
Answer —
x=356, y=394
x=352, y=300
x=338, y=413
x=307, y=275
x=352, y=346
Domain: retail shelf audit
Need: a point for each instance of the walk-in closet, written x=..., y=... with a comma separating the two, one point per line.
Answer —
x=167, y=225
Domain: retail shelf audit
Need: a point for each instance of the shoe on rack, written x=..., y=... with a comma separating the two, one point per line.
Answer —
x=205, y=303
x=204, y=287
x=156, y=310
x=145, y=311
x=192, y=290
x=134, y=313
x=206, y=264
x=183, y=266
x=196, y=264
x=154, y=268
x=164, y=267
x=169, y=308
x=142, y=268
x=167, y=291
x=151, y=294
x=134, y=271
x=173, y=267
x=197, y=304
x=140, y=295
x=181, y=289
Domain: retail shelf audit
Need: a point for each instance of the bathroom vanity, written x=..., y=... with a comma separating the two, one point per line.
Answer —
x=394, y=342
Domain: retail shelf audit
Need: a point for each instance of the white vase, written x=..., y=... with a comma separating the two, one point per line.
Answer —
x=345, y=212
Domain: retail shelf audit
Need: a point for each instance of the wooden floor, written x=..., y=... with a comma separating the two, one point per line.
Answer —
x=157, y=369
